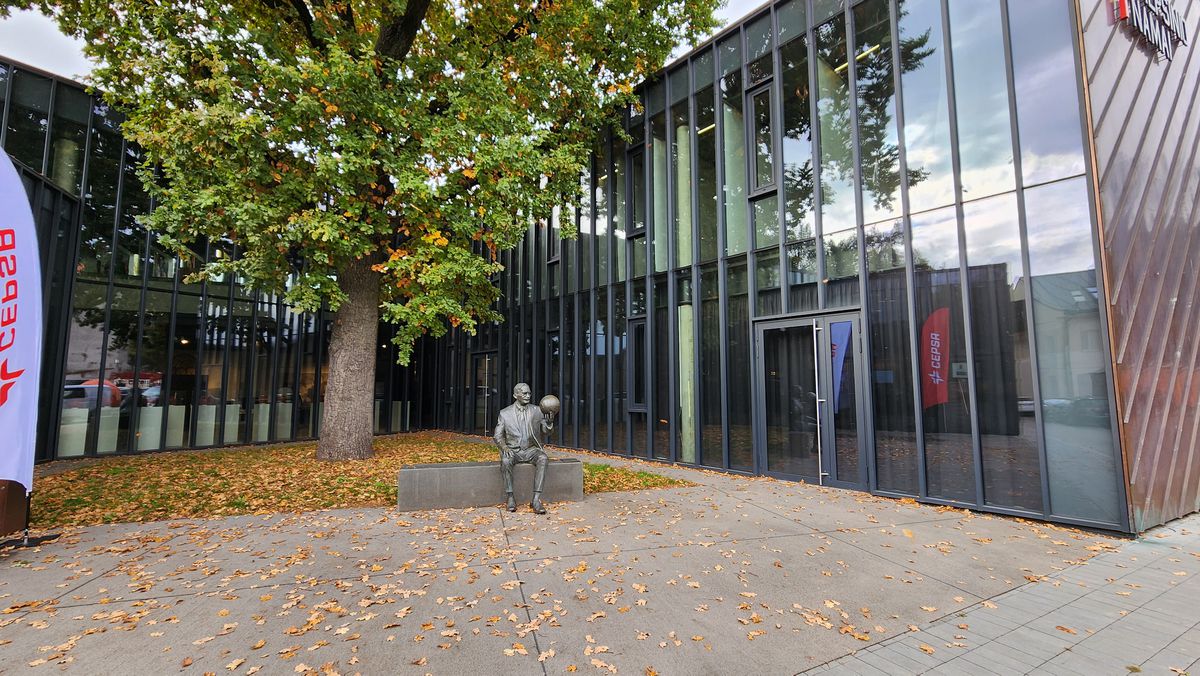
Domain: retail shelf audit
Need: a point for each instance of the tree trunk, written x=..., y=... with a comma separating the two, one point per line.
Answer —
x=348, y=414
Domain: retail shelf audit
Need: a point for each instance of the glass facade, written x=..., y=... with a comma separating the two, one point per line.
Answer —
x=839, y=243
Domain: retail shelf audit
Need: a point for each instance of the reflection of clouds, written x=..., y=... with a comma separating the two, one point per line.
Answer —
x=981, y=92
x=1060, y=228
x=935, y=239
x=994, y=233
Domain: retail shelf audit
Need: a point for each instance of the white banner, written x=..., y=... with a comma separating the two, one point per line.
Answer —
x=20, y=328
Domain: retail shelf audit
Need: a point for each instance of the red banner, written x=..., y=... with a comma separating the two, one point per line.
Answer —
x=935, y=358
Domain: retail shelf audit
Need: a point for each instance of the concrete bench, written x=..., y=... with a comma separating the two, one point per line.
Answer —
x=479, y=484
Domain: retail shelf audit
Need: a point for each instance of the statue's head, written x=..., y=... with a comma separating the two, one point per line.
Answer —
x=522, y=394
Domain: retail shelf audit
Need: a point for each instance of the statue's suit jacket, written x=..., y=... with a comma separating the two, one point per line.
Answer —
x=510, y=433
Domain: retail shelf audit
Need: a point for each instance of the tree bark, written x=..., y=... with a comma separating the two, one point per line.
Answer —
x=348, y=415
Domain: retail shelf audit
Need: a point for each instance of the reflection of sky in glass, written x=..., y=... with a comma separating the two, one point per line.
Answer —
x=1060, y=228
x=1047, y=104
x=935, y=240
x=981, y=95
x=833, y=113
x=926, y=115
x=994, y=234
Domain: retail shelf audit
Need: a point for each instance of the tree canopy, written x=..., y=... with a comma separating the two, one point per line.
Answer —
x=420, y=137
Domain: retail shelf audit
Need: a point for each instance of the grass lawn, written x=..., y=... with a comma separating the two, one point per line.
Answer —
x=254, y=480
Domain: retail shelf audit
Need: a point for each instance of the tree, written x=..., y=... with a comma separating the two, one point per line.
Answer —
x=376, y=153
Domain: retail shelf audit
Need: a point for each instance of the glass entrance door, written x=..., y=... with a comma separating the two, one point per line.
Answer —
x=483, y=393
x=808, y=426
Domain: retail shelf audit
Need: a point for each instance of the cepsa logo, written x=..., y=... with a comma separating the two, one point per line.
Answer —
x=8, y=311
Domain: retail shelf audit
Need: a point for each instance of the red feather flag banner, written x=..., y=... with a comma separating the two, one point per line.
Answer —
x=20, y=329
x=935, y=358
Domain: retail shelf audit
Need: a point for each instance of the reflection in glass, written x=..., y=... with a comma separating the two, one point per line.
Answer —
x=586, y=350
x=68, y=137
x=602, y=349
x=1000, y=342
x=733, y=134
x=841, y=267
x=82, y=392
x=833, y=112
x=844, y=401
x=685, y=354
x=706, y=174
x=1045, y=80
x=878, y=143
x=681, y=165
x=711, y=453
x=100, y=200
x=942, y=350
x=791, y=19
x=790, y=383
x=601, y=222
x=620, y=380
x=759, y=43
x=117, y=400
x=210, y=406
x=658, y=192
x=766, y=222
x=1080, y=456
x=181, y=400
x=768, y=300
x=802, y=275
x=662, y=370
x=28, y=118
x=149, y=389
x=737, y=334
x=981, y=98
x=797, y=141
x=764, y=151
x=618, y=211
x=241, y=353
x=926, y=107
x=891, y=359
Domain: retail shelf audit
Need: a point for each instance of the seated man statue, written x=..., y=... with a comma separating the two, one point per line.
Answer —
x=519, y=432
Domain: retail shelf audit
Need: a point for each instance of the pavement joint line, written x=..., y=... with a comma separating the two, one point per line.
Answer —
x=831, y=535
x=521, y=588
x=1160, y=650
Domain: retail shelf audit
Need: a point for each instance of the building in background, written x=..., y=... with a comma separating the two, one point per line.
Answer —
x=925, y=248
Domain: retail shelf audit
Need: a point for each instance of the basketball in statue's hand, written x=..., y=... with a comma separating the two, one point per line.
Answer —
x=550, y=405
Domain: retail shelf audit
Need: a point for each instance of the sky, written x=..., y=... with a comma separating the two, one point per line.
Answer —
x=32, y=39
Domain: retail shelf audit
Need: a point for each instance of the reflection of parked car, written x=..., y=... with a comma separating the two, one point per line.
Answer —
x=150, y=396
x=1091, y=411
x=1056, y=410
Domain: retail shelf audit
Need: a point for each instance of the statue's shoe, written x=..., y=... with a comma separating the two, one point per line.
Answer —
x=512, y=503
x=537, y=506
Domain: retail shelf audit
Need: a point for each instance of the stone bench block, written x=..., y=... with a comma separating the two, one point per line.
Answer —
x=479, y=484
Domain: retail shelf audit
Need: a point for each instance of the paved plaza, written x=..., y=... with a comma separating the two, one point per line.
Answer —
x=733, y=575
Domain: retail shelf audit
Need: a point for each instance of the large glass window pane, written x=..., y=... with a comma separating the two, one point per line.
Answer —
x=802, y=275
x=637, y=183
x=602, y=186
x=1082, y=463
x=685, y=354
x=681, y=165
x=286, y=394
x=116, y=386
x=241, y=352
x=741, y=436
x=211, y=374
x=181, y=400
x=68, y=136
x=768, y=300
x=841, y=267
x=926, y=107
x=586, y=350
x=764, y=151
x=620, y=381
x=153, y=361
x=797, y=141
x=619, y=218
x=706, y=178
x=100, y=198
x=1000, y=341
x=602, y=348
x=758, y=44
x=567, y=418
x=82, y=389
x=791, y=19
x=662, y=370
x=733, y=147
x=1046, y=82
x=833, y=113
x=878, y=143
x=891, y=359
x=28, y=118
x=266, y=330
x=766, y=222
x=981, y=98
x=637, y=285
x=945, y=396
x=658, y=192
x=711, y=452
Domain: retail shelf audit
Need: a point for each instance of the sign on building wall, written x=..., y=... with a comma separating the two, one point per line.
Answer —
x=1155, y=21
x=20, y=328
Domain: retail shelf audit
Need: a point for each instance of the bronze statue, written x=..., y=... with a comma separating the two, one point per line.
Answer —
x=519, y=432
